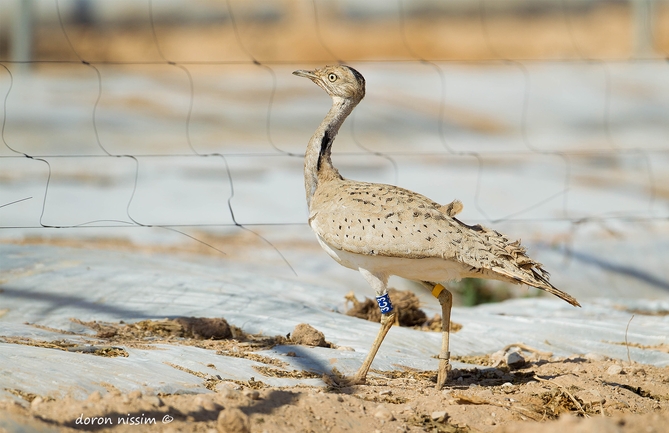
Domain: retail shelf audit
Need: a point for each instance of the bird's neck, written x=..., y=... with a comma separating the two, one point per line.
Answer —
x=317, y=162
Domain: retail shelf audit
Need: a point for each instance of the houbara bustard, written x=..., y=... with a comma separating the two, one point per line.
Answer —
x=382, y=230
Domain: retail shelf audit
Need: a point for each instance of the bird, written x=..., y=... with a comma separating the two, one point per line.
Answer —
x=382, y=230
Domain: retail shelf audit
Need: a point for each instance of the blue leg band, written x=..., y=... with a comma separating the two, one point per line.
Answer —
x=384, y=303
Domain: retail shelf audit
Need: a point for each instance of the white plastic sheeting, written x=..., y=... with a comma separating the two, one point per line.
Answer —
x=48, y=286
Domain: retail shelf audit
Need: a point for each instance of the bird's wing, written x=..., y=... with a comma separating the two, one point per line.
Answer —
x=378, y=219
x=385, y=220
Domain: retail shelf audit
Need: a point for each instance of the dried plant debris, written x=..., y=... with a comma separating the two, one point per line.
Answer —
x=292, y=374
x=408, y=373
x=484, y=360
x=69, y=346
x=661, y=347
x=428, y=424
x=208, y=333
x=200, y=328
x=560, y=400
x=642, y=311
x=253, y=357
x=407, y=307
x=27, y=396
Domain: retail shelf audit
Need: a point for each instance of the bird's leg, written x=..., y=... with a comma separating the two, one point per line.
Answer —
x=380, y=284
x=387, y=321
x=446, y=300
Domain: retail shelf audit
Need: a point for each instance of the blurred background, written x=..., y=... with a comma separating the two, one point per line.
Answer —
x=176, y=127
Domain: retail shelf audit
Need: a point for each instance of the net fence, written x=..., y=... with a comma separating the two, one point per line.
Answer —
x=169, y=122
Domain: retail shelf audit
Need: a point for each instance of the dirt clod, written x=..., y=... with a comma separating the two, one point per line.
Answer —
x=205, y=328
x=439, y=415
x=383, y=413
x=614, y=369
x=307, y=335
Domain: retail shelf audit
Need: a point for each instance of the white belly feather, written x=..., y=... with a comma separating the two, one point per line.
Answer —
x=429, y=269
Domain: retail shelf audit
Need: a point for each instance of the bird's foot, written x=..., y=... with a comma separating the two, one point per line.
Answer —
x=337, y=380
x=442, y=373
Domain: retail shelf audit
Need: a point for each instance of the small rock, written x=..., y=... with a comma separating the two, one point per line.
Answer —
x=514, y=360
x=439, y=415
x=291, y=354
x=233, y=421
x=386, y=392
x=346, y=348
x=508, y=387
x=614, y=369
x=36, y=402
x=307, y=335
x=252, y=394
x=596, y=357
x=383, y=413
x=205, y=328
x=340, y=399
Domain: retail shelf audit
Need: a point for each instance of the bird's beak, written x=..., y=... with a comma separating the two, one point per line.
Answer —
x=307, y=74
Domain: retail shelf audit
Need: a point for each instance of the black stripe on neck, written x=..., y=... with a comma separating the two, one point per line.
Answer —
x=326, y=142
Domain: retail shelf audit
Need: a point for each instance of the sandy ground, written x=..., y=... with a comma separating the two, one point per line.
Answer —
x=543, y=394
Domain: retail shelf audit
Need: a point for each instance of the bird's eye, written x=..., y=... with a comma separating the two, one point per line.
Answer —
x=332, y=78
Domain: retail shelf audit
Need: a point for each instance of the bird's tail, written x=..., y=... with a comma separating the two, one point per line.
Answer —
x=536, y=276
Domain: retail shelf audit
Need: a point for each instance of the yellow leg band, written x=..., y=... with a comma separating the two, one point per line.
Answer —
x=437, y=290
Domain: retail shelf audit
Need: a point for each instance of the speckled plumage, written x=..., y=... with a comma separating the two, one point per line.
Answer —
x=384, y=230
x=388, y=221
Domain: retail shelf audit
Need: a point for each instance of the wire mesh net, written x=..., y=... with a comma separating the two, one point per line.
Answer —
x=180, y=123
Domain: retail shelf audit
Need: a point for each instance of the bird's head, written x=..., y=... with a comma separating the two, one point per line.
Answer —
x=339, y=81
